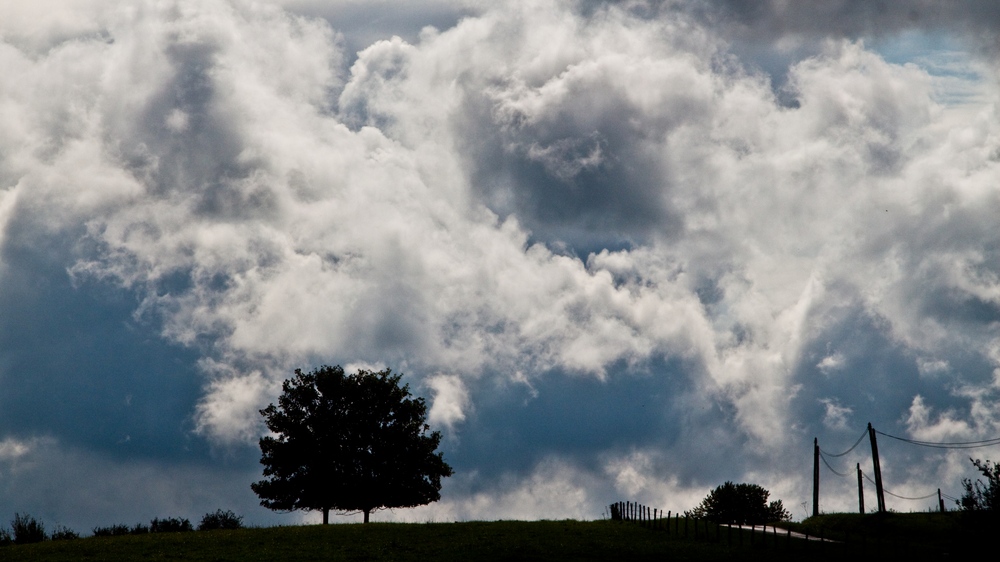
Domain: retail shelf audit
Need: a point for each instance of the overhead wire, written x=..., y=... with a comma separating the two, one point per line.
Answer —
x=938, y=445
x=945, y=445
x=856, y=443
x=834, y=470
x=931, y=495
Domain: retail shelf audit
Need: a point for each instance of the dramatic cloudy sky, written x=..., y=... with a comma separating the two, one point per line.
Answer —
x=626, y=250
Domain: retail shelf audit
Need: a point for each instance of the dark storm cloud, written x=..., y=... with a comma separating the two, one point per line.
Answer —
x=854, y=18
x=572, y=181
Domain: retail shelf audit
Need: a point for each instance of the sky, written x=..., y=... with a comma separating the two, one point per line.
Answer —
x=625, y=250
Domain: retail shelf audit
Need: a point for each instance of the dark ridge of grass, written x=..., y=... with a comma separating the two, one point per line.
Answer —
x=444, y=542
x=923, y=535
x=902, y=536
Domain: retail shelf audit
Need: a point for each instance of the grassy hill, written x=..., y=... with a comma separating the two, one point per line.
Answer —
x=490, y=541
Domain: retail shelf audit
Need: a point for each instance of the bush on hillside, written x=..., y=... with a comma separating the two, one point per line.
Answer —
x=170, y=525
x=110, y=531
x=120, y=530
x=64, y=534
x=5, y=538
x=26, y=529
x=220, y=520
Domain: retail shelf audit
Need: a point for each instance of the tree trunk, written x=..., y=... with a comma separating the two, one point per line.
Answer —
x=326, y=515
x=367, y=511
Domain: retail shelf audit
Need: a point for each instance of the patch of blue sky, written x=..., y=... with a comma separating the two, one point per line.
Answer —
x=959, y=76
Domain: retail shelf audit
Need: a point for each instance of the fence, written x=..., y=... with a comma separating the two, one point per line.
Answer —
x=703, y=529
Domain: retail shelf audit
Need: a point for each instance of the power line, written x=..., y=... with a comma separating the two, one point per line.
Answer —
x=823, y=458
x=931, y=495
x=854, y=446
x=946, y=445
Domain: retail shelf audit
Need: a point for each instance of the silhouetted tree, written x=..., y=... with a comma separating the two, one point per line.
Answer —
x=349, y=443
x=740, y=504
x=980, y=496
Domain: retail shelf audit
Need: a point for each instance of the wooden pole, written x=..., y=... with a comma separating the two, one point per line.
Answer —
x=940, y=501
x=815, y=476
x=861, y=492
x=879, y=494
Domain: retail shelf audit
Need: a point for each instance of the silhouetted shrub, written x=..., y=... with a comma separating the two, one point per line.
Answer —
x=220, y=520
x=64, y=534
x=170, y=525
x=980, y=496
x=112, y=531
x=120, y=530
x=5, y=538
x=27, y=529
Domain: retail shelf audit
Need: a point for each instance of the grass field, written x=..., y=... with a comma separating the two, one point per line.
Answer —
x=494, y=541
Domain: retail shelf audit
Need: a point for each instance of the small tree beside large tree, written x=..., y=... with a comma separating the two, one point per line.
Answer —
x=348, y=443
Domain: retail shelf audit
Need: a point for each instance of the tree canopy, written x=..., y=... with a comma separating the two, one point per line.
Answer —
x=348, y=443
x=744, y=504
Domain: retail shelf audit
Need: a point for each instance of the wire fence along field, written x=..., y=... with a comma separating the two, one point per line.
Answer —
x=917, y=536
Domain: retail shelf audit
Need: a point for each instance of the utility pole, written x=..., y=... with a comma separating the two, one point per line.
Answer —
x=879, y=495
x=861, y=492
x=815, y=476
x=940, y=500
